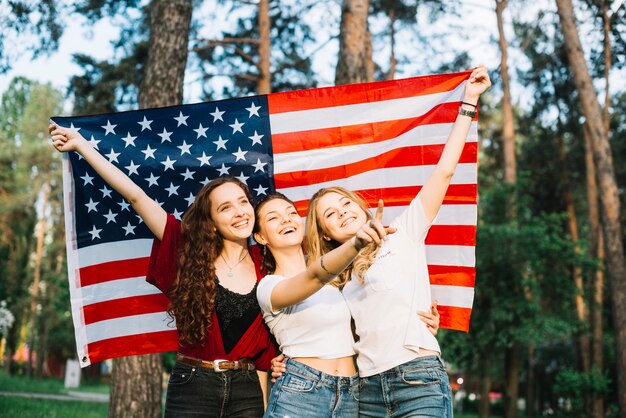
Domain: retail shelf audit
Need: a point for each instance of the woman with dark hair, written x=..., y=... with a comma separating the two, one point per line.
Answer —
x=203, y=264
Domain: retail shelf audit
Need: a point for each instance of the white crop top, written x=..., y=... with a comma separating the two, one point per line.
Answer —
x=319, y=326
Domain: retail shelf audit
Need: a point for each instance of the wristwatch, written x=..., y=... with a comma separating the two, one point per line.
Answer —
x=470, y=113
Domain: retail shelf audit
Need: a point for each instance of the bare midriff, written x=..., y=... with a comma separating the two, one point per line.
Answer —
x=425, y=353
x=343, y=366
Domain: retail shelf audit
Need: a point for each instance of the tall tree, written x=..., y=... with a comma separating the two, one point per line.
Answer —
x=355, y=63
x=137, y=381
x=609, y=196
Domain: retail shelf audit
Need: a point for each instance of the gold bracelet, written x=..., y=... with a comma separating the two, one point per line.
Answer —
x=324, y=268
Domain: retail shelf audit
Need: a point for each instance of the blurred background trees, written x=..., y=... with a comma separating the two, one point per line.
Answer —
x=548, y=324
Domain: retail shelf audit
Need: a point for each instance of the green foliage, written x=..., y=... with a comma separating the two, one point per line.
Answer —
x=35, y=26
x=576, y=386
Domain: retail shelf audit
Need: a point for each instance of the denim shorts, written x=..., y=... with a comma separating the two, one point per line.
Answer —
x=197, y=392
x=303, y=391
x=418, y=388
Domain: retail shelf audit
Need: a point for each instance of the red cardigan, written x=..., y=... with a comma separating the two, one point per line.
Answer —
x=255, y=342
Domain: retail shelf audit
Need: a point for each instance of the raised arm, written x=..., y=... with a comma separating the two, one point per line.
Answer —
x=434, y=190
x=65, y=139
x=330, y=265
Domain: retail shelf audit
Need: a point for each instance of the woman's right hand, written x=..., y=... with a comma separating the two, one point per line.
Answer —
x=278, y=367
x=65, y=139
x=373, y=231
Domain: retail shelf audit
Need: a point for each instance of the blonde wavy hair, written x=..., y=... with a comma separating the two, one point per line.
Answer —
x=317, y=245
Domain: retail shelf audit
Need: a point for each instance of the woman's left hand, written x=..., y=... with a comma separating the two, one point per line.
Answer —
x=431, y=318
x=476, y=85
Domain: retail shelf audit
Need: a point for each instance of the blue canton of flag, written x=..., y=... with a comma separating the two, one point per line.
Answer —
x=170, y=153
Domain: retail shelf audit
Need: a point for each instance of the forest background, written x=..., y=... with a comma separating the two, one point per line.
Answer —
x=548, y=331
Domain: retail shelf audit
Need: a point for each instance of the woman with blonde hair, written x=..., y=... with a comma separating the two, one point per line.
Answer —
x=399, y=361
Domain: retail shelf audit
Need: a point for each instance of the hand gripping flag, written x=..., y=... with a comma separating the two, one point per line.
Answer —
x=380, y=139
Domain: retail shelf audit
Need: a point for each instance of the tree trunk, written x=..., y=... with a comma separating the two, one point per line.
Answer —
x=265, y=81
x=136, y=382
x=392, y=41
x=530, y=382
x=484, y=404
x=582, y=313
x=609, y=197
x=606, y=27
x=596, y=249
x=508, y=123
x=355, y=63
x=41, y=231
x=511, y=382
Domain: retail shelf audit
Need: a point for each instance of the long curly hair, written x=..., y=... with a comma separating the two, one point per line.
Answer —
x=192, y=296
x=317, y=245
x=269, y=262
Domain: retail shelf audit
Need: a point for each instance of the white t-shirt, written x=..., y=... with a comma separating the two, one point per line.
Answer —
x=319, y=326
x=396, y=287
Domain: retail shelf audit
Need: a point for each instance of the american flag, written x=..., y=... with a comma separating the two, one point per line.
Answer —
x=380, y=139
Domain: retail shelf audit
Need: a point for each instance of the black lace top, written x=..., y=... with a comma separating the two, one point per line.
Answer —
x=235, y=313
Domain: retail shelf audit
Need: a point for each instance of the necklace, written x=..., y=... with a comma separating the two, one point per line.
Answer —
x=230, y=269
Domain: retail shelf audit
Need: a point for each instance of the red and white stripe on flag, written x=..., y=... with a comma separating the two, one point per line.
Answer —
x=382, y=140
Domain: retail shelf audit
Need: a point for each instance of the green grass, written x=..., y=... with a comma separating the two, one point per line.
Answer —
x=44, y=408
x=13, y=383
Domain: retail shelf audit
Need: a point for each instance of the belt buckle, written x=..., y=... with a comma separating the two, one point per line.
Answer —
x=216, y=366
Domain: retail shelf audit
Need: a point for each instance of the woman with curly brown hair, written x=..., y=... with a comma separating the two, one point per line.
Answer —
x=203, y=264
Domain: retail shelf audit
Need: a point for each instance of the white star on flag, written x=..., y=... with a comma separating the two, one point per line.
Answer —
x=152, y=180
x=217, y=115
x=108, y=128
x=172, y=189
x=145, y=124
x=130, y=229
x=165, y=136
x=149, y=152
x=204, y=159
x=94, y=142
x=260, y=190
x=110, y=216
x=168, y=163
x=95, y=233
x=221, y=143
x=123, y=205
x=187, y=175
x=112, y=156
x=224, y=170
x=132, y=168
x=190, y=199
x=91, y=205
x=106, y=192
x=182, y=120
x=236, y=126
x=184, y=149
x=87, y=179
x=240, y=155
x=258, y=166
x=256, y=138
x=130, y=140
x=201, y=131
x=254, y=110
x=242, y=178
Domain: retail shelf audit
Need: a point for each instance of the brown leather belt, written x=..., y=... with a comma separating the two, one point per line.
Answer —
x=217, y=365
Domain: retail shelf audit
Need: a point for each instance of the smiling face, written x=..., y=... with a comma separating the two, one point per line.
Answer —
x=339, y=216
x=231, y=212
x=279, y=224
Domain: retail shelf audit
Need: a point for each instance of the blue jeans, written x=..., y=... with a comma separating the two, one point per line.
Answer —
x=197, y=392
x=418, y=388
x=303, y=391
